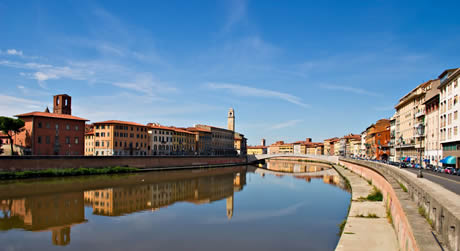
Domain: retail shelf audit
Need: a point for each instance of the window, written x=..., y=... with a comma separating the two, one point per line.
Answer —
x=102, y=134
x=97, y=143
x=39, y=124
x=97, y=134
x=48, y=125
x=102, y=126
x=116, y=143
x=76, y=140
x=57, y=126
x=455, y=131
x=67, y=127
x=132, y=128
x=102, y=143
x=131, y=135
x=76, y=128
x=67, y=140
x=137, y=136
x=39, y=139
x=97, y=126
x=47, y=139
x=455, y=115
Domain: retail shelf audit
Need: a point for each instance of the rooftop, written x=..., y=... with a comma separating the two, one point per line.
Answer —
x=50, y=115
x=119, y=122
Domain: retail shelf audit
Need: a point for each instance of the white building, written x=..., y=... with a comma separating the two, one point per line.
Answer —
x=160, y=139
x=449, y=122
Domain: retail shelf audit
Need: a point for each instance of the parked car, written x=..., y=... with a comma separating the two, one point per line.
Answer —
x=403, y=165
x=448, y=170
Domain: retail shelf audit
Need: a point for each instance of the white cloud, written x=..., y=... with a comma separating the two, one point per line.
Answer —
x=350, y=89
x=242, y=90
x=289, y=123
x=14, y=52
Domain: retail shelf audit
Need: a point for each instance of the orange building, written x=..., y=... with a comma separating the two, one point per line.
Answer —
x=328, y=145
x=377, y=140
x=57, y=133
x=114, y=137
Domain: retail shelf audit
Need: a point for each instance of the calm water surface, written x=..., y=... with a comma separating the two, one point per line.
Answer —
x=285, y=205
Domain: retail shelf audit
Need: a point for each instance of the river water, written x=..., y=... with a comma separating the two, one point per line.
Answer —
x=283, y=205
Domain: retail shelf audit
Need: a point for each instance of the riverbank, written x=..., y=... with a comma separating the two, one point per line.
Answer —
x=367, y=226
x=36, y=163
x=82, y=171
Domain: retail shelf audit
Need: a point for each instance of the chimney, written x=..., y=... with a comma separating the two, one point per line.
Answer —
x=308, y=140
x=262, y=143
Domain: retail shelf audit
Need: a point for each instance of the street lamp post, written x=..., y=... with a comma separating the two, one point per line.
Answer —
x=420, y=130
x=400, y=150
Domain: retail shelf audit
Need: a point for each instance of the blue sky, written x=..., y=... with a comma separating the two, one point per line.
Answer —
x=291, y=69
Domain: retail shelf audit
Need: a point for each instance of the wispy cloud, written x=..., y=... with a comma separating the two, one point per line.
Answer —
x=237, y=13
x=242, y=90
x=146, y=84
x=285, y=124
x=350, y=89
x=11, y=105
x=258, y=215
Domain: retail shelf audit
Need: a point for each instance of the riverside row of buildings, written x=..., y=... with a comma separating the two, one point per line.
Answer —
x=61, y=133
x=425, y=125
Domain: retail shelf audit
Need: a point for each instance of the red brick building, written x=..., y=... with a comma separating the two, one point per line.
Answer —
x=57, y=133
x=377, y=139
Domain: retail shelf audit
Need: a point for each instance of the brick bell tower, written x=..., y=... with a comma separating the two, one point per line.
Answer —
x=62, y=104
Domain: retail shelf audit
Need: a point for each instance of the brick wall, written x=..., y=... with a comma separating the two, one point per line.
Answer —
x=16, y=163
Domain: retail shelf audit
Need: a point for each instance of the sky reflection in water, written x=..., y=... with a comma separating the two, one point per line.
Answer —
x=215, y=209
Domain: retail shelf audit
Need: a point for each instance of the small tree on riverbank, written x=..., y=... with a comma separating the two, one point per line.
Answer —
x=10, y=126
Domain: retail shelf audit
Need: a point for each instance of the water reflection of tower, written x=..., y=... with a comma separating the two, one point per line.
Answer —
x=230, y=207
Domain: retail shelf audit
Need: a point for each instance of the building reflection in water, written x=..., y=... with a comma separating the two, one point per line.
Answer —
x=306, y=171
x=125, y=200
x=57, y=213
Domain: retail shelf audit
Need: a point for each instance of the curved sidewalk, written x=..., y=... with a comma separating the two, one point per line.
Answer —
x=367, y=226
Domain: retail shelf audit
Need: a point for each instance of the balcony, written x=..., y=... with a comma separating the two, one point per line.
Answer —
x=420, y=113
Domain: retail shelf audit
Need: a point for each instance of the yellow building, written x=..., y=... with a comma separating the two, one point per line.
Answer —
x=114, y=137
x=89, y=143
x=257, y=150
x=184, y=142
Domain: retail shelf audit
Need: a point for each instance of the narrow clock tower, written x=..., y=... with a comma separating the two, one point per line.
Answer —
x=231, y=119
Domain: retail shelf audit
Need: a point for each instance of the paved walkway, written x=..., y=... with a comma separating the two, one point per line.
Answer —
x=362, y=232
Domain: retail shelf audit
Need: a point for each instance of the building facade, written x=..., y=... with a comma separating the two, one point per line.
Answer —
x=120, y=138
x=377, y=140
x=89, y=143
x=222, y=140
x=449, y=122
x=203, y=140
x=160, y=139
x=410, y=113
x=57, y=133
x=433, y=149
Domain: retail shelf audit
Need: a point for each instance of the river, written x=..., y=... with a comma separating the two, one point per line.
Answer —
x=283, y=205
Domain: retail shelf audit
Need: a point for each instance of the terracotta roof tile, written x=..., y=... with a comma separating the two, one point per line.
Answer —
x=119, y=122
x=50, y=115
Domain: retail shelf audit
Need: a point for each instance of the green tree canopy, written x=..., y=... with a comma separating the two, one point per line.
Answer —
x=11, y=126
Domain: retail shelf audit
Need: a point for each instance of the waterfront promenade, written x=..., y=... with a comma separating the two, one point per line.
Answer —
x=367, y=226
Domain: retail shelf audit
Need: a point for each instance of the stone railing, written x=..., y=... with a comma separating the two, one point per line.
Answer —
x=412, y=198
x=327, y=158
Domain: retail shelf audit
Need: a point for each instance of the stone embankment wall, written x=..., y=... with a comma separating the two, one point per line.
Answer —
x=19, y=163
x=413, y=231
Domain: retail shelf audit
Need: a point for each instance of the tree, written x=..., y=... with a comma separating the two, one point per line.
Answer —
x=11, y=126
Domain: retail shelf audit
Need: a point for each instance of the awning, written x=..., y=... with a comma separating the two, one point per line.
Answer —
x=426, y=160
x=449, y=160
x=407, y=159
